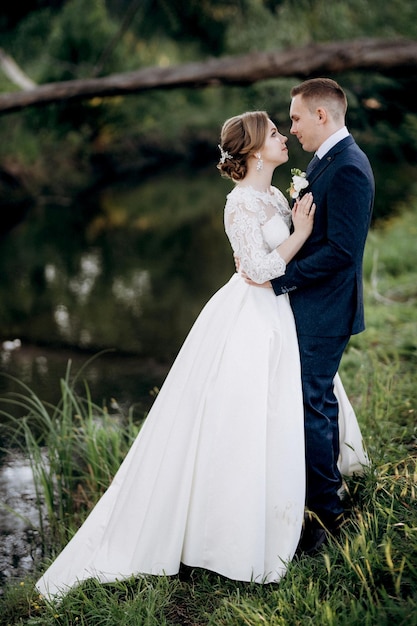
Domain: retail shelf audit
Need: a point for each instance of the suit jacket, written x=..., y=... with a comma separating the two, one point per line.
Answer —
x=324, y=280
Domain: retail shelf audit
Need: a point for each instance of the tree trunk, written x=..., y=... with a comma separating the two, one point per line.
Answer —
x=377, y=55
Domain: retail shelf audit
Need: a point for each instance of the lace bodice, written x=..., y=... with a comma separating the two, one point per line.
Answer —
x=256, y=223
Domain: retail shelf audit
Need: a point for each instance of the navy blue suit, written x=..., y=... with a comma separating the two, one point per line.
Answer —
x=324, y=282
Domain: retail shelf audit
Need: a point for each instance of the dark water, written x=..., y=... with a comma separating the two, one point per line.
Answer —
x=127, y=269
x=19, y=541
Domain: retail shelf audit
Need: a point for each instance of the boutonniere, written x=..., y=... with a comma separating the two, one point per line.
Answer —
x=298, y=182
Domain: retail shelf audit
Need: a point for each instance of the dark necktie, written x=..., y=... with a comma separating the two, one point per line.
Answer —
x=313, y=163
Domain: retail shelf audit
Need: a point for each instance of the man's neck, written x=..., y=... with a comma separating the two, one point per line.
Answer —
x=331, y=141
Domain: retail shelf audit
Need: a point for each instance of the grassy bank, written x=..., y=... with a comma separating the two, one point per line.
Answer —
x=368, y=577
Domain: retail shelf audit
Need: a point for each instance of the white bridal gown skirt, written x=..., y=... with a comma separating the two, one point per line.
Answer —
x=215, y=478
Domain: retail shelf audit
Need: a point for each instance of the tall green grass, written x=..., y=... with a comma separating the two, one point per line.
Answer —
x=74, y=449
x=366, y=578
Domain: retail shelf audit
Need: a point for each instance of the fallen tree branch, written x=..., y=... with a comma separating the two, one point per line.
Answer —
x=380, y=55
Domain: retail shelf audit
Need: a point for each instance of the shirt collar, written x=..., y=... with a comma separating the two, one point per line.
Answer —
x=332, y=141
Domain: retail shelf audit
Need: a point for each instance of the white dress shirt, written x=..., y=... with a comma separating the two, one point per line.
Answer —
x=332, y=141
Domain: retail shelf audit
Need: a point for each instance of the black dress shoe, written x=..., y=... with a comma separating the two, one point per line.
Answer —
x=185, y=573
x=316, y=534
x=312, y=539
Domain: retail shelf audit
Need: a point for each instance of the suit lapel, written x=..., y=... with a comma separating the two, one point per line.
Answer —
x=321, y=167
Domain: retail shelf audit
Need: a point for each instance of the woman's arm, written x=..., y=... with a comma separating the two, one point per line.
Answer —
x=246, y=238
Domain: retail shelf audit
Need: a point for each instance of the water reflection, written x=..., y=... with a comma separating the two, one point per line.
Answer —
x=110, y=376
x=129, y=268
x=17, y=493
x=20, y=543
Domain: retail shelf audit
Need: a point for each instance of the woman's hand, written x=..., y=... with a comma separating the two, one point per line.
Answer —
x=303, y=215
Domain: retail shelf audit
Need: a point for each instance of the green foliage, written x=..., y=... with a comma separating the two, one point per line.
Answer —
x=264, y=26
x=77, y=39
x=201, y=21
x=89, y=140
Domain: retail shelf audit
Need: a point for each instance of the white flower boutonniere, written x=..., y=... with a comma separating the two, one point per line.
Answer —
x=299, y=182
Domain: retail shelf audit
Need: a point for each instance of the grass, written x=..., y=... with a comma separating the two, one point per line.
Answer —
x=367, y=578
x=74, y=449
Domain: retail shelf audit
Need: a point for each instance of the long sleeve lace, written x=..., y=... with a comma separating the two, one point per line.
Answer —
x=247, y=213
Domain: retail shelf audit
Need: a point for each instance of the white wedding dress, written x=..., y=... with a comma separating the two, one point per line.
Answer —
x=216, y=476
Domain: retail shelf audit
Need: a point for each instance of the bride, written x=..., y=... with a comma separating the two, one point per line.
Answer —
x=216, y=477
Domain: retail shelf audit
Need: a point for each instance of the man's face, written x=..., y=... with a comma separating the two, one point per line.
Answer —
x=306, y=125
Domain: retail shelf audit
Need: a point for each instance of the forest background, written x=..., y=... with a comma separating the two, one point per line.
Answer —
x=67, y=148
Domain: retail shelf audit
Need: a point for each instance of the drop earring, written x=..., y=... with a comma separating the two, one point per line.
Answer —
x=260, y=163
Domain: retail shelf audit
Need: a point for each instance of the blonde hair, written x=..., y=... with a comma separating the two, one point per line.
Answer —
x=241, y=136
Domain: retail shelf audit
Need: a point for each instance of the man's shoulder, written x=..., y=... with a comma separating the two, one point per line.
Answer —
x=346, y=144
x=347, y=152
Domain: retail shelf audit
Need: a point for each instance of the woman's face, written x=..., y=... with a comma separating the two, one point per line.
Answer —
x=274, y=150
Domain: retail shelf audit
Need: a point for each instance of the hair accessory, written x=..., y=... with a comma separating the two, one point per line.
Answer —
x=224, y=154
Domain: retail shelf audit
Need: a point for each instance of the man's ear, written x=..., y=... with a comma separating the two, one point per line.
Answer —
x=321, y=115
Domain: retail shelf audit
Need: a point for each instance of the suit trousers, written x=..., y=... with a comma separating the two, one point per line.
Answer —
x=320, y=360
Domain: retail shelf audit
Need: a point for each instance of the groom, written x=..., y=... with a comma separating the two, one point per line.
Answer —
x=324, y=283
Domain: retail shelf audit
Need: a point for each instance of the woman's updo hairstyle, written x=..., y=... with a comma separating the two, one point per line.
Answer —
x=241, y=136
